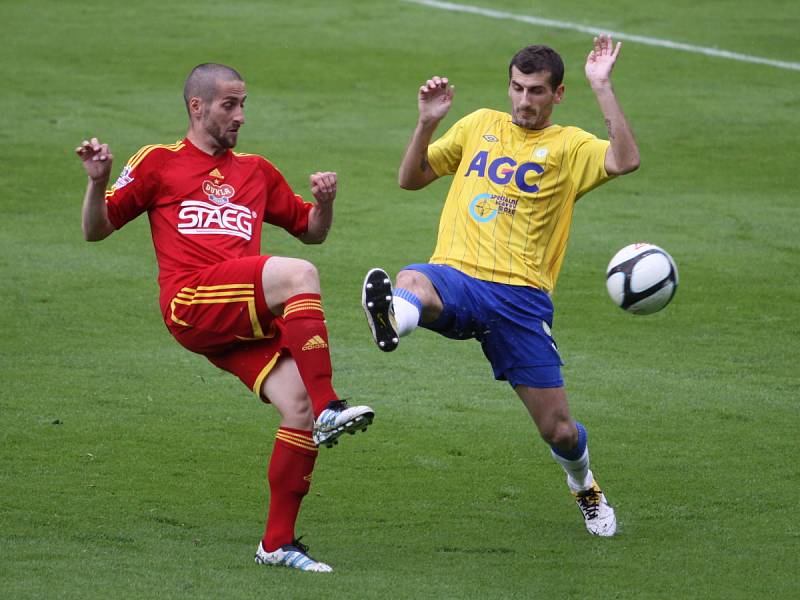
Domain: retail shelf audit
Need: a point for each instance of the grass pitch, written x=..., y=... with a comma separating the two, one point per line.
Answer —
x=131, y=468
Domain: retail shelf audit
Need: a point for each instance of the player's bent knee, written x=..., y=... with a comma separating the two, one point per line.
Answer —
x=303, y=275
x=284, y=277
x=410, y=280
x=416, y=283
x=561, y=434
x=296, y=413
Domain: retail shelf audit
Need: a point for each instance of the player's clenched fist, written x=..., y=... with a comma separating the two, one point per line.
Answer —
x=323, y=187
x=96, y=157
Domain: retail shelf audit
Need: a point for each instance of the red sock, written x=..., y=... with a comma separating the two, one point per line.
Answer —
x=307, y=340
x=289, y=478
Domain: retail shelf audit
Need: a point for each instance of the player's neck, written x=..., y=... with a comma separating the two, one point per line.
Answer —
x=205, y=143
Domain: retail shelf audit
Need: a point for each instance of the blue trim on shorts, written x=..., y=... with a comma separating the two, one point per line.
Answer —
x=538, y=377
x=511, y=322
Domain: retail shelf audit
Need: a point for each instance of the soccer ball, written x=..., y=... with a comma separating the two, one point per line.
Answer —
x=642, y=278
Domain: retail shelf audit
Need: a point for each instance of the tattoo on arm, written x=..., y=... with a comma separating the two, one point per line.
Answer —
x=423, y=165
x=610, y=130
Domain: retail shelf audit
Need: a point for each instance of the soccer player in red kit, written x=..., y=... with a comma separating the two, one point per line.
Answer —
x=257, y=316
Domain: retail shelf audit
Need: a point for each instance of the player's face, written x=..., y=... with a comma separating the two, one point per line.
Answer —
x=532, y=98
x=223, y=117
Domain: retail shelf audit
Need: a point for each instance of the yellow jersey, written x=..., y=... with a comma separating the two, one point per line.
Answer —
x=508, y=213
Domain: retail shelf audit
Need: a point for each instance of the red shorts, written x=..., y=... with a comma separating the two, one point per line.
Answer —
x=220, y=312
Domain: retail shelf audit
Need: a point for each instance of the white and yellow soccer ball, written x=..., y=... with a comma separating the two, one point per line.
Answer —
x=642, y=278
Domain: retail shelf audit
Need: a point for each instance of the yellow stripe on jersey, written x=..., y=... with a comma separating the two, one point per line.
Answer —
x=134, y=161
x=508, y=213
x=145, y=150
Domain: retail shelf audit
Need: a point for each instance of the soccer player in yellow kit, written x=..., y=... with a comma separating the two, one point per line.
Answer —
x=502, y=236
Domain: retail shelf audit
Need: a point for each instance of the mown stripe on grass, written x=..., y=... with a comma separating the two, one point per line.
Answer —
x=619, y=35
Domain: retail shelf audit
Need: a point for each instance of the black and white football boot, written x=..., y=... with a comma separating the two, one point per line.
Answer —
x=376, y=298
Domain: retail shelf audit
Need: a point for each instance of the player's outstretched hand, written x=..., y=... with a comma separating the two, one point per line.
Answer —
x=97, y=159
x=434, y=99
x=601, y=59
x=323, y=187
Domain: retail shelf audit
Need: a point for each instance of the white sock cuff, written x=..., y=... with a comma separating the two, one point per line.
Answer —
x=406, y=315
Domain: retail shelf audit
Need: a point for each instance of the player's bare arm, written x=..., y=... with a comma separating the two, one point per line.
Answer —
x=320, y=219
x=433, y=100
x=623, y=155
x=97, y=160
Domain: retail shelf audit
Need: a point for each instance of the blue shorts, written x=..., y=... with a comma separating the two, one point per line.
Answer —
x=511, y=322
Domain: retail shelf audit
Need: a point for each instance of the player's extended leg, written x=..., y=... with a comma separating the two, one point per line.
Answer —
x=568, y=445
x=394, y=313
x=291, y=288
x=290, y=469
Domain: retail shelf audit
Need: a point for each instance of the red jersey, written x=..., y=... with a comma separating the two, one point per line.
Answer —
x=203, y=209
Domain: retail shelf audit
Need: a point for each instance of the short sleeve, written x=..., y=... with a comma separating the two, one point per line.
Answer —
x=284, y=208
x=444, y=155
x=135, y=189
x=587, y=156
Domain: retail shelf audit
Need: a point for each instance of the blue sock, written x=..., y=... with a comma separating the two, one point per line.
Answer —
x=408, y=295
x=576, y=452
x=575, y=462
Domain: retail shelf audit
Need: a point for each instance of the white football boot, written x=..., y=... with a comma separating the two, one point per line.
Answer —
x=597, y=512
x=294, y=556
x=376, y=298
x=339, y=418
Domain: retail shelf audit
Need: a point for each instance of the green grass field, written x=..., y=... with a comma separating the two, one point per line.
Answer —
x=130, y=468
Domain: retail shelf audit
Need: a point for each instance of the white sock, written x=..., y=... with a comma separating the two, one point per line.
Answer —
x=579, y=476
x=406, y=314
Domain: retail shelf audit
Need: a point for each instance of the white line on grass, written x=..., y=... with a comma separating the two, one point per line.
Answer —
x=498, y=14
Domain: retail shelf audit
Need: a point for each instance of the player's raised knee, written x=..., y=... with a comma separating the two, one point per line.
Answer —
x=284, y=277
x=418, y=284
x=411, y=280
x=303, y=275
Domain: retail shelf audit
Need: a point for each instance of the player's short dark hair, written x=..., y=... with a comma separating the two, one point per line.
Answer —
x=201, y=82
x=533, y=59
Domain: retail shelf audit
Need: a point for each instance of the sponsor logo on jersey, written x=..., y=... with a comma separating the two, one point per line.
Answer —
x=485, y=207
x=216, y=174
x=198, y=217
x=503, y=170
x=123, y=179
x=490, y=138
x=315, y=343
x=218, y=193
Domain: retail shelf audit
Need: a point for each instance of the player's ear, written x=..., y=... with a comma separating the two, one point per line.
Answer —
x=559, y=96
x=195, y=106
